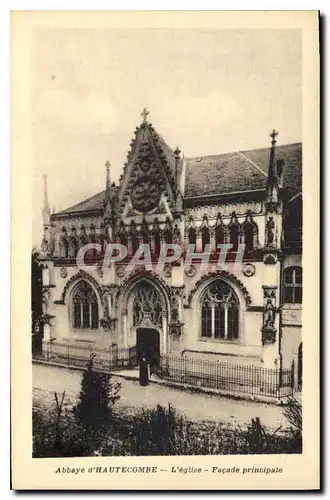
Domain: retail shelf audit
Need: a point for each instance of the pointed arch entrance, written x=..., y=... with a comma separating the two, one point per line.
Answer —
x=145, y=317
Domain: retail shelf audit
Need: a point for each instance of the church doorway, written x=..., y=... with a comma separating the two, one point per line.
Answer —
x=147, y=344
x=300, y=355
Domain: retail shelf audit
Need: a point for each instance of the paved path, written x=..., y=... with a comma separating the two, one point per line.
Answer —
x=195, y=406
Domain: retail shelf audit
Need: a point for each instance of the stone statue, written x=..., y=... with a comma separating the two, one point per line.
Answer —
x=270, y=228
x=174, y=310
x=269, y=318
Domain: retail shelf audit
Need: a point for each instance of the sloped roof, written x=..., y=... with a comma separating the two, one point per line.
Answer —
x=242, y=171
x=93, y=203
x=225, y=173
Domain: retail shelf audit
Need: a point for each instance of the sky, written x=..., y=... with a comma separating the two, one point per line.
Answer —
x=208, y=92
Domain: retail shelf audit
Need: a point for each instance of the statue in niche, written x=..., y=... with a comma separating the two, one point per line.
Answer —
x=44, y=246
x=174, y=310
x=105, y=301
x=269, y=318
x=270, y=231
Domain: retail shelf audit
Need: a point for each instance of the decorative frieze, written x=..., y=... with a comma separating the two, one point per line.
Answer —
x=226, y=210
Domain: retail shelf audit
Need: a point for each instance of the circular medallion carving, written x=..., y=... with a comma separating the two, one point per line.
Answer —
x=145, y=194
x=63, y=272
x=249, y=270
x=120, y=271
x=190, y=271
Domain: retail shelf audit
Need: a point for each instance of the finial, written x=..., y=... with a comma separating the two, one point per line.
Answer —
x=273, y=136
x=144, y=114
x=107, y=164
x=46, y=207
x=177, y=151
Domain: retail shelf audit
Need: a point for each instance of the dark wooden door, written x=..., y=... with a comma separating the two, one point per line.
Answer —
x=147, y=343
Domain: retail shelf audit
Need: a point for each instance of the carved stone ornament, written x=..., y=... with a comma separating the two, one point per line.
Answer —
x=268, y=335
x=269, y=315
x=63, y=272
x=120, y=271
x=145, y=194
x=225, y=210
x=45, y=319
x=270, y=232
x=270, y=258
x=167, y=271
x=45, y=299
x=108, y=323
x=45, y=246
x=190, y=271
x=249, y=270
x=176, y=329
x=269, y=291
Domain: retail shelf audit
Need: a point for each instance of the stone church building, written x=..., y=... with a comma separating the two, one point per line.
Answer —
x=248, y=314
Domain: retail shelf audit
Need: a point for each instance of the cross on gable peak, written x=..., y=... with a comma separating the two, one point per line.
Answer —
x=273, y=134
x=144, y=114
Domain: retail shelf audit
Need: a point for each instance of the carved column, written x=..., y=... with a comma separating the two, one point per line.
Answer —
x=125, y=332
x=164, y=326
x=270, y=313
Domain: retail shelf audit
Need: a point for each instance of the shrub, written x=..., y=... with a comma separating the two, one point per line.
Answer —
x=293, y=413
x=96, y=398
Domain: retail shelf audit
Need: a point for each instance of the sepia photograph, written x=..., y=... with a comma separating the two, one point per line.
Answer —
x=167, y=285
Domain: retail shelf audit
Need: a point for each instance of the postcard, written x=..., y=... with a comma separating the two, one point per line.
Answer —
x=165, y=286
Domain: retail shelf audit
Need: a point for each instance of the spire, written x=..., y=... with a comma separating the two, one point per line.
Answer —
x=272, y=165
x=272, y=181
x=107, y=182
x=46, y=207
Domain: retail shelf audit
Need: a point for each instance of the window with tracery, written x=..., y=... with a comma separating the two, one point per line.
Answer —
x=192, y=236
x=250, y=232
x=219, y=236
x=85, y=306
x=220, y=312
x=157, y=243
x=234, y=236
x=293, y=285
x=147, y=303
x=205, y=233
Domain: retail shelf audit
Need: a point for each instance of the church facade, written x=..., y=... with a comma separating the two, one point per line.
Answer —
x=247, y=312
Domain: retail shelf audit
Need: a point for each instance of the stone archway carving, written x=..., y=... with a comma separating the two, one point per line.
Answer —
x=76, y=277
x=222, y=274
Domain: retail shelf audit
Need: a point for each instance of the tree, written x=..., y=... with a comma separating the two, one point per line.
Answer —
x=36, y=288
x=96, y=398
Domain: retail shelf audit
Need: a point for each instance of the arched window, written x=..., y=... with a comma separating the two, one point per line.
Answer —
x=250, y=232
x=220, y=312
x=205, y=233
x=144, y=233
x=63, y=247
x=147, y=304
x=73, y=247
x=293, y=285
x=219, y=236
x=157, y=242
x=233, y=236
x=192, y=236
x=85, y=306
x=167, y=232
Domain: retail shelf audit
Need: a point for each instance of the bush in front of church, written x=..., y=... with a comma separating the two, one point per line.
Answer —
x=96, y=399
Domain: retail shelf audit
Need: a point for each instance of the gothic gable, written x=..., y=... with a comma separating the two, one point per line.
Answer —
x=148, y=182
